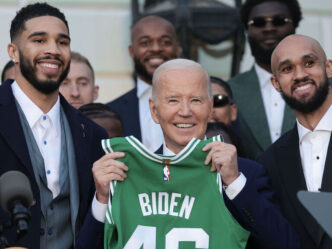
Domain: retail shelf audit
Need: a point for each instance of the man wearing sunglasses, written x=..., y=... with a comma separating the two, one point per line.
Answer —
x=262, y=112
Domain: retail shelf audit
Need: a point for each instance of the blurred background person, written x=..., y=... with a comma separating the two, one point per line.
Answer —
x=104, y=116
x=263, y=114
x=8, y=71
x=79, y=86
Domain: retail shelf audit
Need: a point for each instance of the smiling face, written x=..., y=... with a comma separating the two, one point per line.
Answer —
x=181, y=106
x=43, y=53
x=153, y=42
x=78, y=88
x=264, y=39
x=301, y=73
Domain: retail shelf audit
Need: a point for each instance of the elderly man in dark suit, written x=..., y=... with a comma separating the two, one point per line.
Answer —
x=262, y=112
x=153, y=41
x=302, y=158
x=44, y=137
x=182, y=103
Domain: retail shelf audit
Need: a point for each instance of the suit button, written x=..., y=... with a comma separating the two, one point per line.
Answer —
x=42, y=231
x=50, y=231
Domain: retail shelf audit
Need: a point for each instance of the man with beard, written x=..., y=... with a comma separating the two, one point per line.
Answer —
x=301, y=159
x=262, y=112
x=44, y=137
x=153, y=42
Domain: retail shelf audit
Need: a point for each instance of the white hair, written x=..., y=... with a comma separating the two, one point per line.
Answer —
x=175, y=64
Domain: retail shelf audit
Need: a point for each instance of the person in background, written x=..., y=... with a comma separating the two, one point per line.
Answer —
x=153, y=41
x=79, y=86
x=301, y=159
x=8, y=71
x=263, y=114
x=223, y=119
x=103, y=115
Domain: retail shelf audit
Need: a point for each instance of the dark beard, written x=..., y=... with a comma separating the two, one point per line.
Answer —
x=140, y=70
x=43, y=86
x=313, y=103
x=261, y=55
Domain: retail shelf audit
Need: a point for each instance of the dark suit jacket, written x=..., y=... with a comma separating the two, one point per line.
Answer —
x=15, y=156
x=283, y=163
x=252, y=116
x=126, y=106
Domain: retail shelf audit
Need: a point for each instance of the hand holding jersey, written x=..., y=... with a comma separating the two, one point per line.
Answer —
x=224, y=160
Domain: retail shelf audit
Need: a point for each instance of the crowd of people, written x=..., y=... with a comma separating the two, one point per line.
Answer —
x=193, y=158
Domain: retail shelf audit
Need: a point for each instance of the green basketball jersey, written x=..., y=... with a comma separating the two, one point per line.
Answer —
x=168, y=201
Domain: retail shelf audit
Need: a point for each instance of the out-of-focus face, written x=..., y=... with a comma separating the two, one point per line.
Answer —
x=111, y=125
x=182, y=106
x=223, y=114
x=264, y=39
x=43, y=53
x=301, y=73
x=78, y=88
x=153, y=42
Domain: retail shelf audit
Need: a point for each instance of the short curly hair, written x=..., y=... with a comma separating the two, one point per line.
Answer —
x=292, y=5
x=31, y=11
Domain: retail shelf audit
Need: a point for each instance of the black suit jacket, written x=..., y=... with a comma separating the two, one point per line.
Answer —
x=283, y=163
x=15, y=156
x=126, y=106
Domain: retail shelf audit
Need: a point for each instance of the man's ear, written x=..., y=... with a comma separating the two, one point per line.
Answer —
x=131, y=51
x=154, y=111
x=329, y=68
x=178, y=50
x=13, y=52
x=275, y=83
x=233, y=112
x=95, y=92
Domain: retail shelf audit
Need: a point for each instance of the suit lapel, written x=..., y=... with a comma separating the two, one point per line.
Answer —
x=11, y=128
x=131, y=113
x=327, y=176
x=290, y=166
x=252, y=109
x=288, y=119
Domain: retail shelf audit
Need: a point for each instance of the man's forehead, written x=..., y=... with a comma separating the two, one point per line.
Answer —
x=270, y=8
x=152, y=26
x=45, y=24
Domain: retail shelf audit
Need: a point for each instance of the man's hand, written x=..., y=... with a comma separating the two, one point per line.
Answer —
x=224, y=160
x=105, y=170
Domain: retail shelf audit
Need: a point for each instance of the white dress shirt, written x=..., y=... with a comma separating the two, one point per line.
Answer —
x=46, y=130
x=313, y=150
x=232, y=190
x=152, y=136
x=274, y=105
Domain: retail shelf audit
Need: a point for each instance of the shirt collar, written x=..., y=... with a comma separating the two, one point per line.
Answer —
x=264, y=77
x=323, y=125
x=142, y=87
x=32, y=112
x=168, y=152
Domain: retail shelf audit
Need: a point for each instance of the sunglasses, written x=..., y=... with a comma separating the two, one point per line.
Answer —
x=276, y=21
x=220, y=100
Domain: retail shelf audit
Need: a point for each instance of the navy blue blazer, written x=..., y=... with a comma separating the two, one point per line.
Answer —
x=126, y=106
x=15, y=156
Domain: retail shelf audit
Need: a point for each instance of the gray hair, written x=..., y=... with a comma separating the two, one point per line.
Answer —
x=178, y=64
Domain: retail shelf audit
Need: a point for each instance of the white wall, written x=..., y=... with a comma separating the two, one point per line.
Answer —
x=100, y=31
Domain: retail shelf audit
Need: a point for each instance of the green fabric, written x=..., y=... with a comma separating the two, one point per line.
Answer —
x=195, y=209
x=252, y=116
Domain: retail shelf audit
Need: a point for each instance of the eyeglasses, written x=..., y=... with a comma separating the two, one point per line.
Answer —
x=276, y=21
x=220, y=100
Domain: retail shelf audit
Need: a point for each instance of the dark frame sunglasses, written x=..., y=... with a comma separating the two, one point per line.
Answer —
x=220, y=100
x=277, y=21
